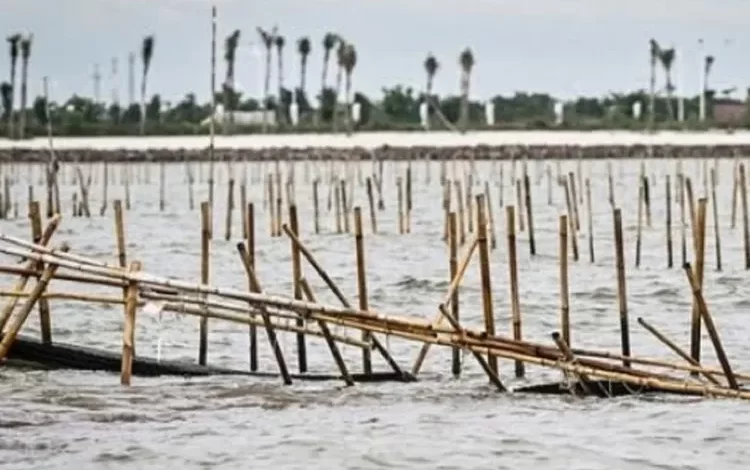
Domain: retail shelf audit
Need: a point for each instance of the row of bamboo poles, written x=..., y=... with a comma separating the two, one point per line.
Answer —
x=302, y=315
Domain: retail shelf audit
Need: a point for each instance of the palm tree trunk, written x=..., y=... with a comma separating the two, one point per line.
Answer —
x=704, y=98
x=303, y=74
x=336, y=99
x=652, y=95
x=428, y=100
x=347, y=99
x=280, y=111
x=670, y=107
x=11, y=123
x=266, y=87
x=323, y=80
x=24, y=94
x=143, y=103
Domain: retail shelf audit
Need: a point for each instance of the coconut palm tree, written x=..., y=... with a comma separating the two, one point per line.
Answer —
x=303, y=48
x=25, y=55
x=655, y=52
x=13, y=42
x=147, y=52
x=349, y=61
x=280, y=42
x=340, y=59
x=466, y=60
x=329, y=42
x=268, y=40
x=430, y=66
x=708, y=63
x=667, y=56
x=230, y=53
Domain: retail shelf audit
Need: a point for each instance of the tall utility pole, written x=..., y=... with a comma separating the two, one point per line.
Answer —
x=131, y=78
x=115, y=92
x=702, y=91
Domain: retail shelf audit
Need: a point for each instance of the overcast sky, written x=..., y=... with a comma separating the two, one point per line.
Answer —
x=564, y=47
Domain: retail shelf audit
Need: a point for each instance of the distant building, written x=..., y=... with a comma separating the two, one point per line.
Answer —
x=729, y=111
x=244, y=118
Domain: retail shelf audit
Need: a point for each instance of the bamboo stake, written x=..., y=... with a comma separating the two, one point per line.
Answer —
x=745, y=223
x=513, y=270
x=735, y=190
x=699, y=245
x=270, y=332
x=205, y=254
x=230, y=209
x=484, y=259
x=401, y=222
x=717, y=236
x=621, y=290
x=639, y=225
x=344, y=206
x=519, y=202
x=17, y=322
x=564, y=289
x=362, y=284
x=590, y=213
x=371, y=202
x=695, y=286
x=676, y=349
x=461, y=218
x=647, y=200
x=316, y=206
x=296, y=276
x=162, y=186
x=453, y=266
x=529, y=214
x=36, y=236
x=681, y=191
x=330, y=341
x=253, y=332
x=128, y=334
x=340, y=296
x=670, y=258
x=105, y=185
x=574, y=202
x=52, y=226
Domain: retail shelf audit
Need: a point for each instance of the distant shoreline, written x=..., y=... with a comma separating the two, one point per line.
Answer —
x=387, y=145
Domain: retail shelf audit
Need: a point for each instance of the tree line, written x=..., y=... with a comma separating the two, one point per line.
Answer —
x=398, y=107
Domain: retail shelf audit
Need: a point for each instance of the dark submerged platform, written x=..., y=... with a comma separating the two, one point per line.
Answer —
x=31, y=353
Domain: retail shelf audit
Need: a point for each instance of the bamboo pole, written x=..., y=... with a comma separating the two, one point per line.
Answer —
x=713, y=333
x=529, y=214
x=297, y=291
x=699, y=245
x=745, y=223
x=330, y=341
x=340, y=296
x=647, y=200
x=316, y=206
x=362, y=284
x=252, y=332
x=639, y=225
x=484, y=259
x=571, y=220
x=621, y=290
x=519, y=202
x=668, y=190
x=270, y=332
x=453, y=266
x=371, y=202
x=20, y=285
x=564, y=289
x=36, y=236
x=574, y=202
x=717, y=235
x=681, y=198
x=230, y=209
x=105, y=186
x=676, y=349
x=128, y=334
x=19, y=319
x=513, y=272
x=590, y=213
x=205, y=270
x=735, y=190
x=400, y=195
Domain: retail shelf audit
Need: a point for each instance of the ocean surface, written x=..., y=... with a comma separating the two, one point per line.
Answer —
x=66, y=419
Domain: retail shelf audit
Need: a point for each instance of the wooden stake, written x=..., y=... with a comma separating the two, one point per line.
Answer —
x=128, y=333
x=529, y=214
x=717, y=236
x=296, y=276
x=205, y=263
x=699, y=247
x=621, y=291
x=745, y=222
x=670, y=259
x=371, y=202
x=453, y=265
x=484, y=259
x=362, y=285
x=253, y=332
x=564, y=289
x=230, y=210
x=590, y=213
x=513, y=271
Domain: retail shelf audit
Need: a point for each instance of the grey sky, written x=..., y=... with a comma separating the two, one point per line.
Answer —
x=565, y=47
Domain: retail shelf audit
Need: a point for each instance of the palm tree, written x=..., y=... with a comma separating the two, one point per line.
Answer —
x=230, y=50
x=340, y=59
x=303, y=48
x=268, y=40
x=6, y=95
x=466, y=60
x=348, y=63
x=147, y=52
x=13, y=42
x=667, y=57
x=655, y=52
x=430, y=66
x=708, y=63
x=25, y=54
x=280, y=42
x=329, y=42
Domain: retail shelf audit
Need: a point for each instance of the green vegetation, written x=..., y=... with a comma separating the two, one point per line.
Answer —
x=396, y=108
